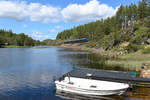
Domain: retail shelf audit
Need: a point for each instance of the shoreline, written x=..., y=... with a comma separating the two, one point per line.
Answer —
x=99, y=51
x=132, y=60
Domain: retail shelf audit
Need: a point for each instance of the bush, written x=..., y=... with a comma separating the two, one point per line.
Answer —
x=146, y=50
x=134, y=47
x=91, y=44
x=107, y=42
x=141, y=35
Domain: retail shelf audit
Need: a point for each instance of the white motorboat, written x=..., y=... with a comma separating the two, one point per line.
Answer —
x=97, y=82
x=90, y=86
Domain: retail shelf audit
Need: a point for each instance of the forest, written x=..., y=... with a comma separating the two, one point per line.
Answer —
x=130, y=25
x=7, y=37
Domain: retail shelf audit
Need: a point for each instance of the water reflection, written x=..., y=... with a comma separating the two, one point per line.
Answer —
x=139, y=93
x=134, y=94
x=84, y=59
x=80, y=97
x=27, y=73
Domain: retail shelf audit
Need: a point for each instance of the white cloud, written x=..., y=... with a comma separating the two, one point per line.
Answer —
x=90, y=11
x=58, y=27
x=39, y=35
x=43, y=13
x=35, y=11
x=52, y=30
x=25, y=26
x=13, y=10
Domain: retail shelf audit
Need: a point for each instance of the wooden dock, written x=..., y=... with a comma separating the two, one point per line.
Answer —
x=114, y=76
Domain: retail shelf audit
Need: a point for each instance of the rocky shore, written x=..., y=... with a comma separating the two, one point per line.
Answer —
x=99, y=51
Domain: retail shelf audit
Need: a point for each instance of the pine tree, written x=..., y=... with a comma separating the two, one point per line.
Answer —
x=142, y=10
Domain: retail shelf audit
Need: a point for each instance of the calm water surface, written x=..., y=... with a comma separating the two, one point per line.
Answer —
x=28, y=73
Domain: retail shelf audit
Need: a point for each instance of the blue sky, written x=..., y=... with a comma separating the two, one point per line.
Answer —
x=44, y=19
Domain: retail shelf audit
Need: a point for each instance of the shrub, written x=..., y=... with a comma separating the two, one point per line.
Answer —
x=141, y=35
x=91, y=44
x=134, y=47
x=146, y=50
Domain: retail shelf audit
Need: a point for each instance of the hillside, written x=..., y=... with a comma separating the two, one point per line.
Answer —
x=128, y=30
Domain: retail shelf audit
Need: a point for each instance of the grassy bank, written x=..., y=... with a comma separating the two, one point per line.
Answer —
x=131, y=61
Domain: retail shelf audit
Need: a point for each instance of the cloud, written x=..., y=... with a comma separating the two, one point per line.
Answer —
x=13, y=10
x=35, y=11
x=43, y=13
x=52, y=30
x=58, y=27
x=25, y=26
x=39, y=35
x=90, y=11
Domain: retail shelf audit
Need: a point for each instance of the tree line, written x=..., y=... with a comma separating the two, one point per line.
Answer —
x=130, y=24
x=7, y=37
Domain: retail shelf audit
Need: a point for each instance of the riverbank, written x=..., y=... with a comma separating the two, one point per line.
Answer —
x=100, y=51
x=80, y=46
x=131, y=61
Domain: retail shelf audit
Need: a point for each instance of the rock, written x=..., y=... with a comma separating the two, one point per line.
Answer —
x=148, y=18
x=142, y=43
x=145, y=73
x=148, y=41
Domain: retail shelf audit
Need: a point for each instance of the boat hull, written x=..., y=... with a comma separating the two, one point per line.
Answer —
x=89, y=92
x=73, y=88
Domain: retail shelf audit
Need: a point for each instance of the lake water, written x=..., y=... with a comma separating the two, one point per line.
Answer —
x=28, y=73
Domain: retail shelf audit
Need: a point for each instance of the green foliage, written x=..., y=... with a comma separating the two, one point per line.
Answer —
x=107, y=42
x=142, y=10
x=130, y=24
x=91, y=44
x=146, y=50
x=50, y=42
x=134, y=47
x=141, y=35
x=10, y=38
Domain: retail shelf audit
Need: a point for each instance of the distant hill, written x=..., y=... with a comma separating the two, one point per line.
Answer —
x=49, y=42
x=130, y=26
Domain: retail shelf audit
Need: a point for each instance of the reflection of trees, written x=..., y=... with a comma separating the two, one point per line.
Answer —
x=82, y=59
x=74, y=96
x=74, y=58
x=140, y=93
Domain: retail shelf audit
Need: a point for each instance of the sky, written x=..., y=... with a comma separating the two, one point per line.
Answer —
x=44, y=19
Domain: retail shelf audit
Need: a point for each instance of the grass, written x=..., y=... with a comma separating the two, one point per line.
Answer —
x=131, y=65
x=146, y=50
x=133, y=61
x=87, y=49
